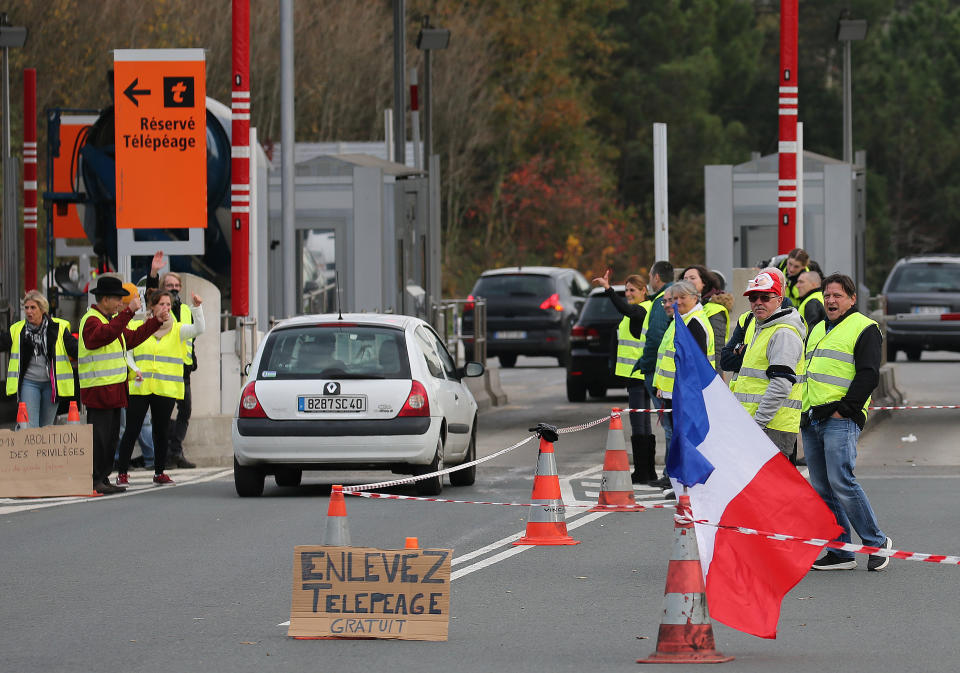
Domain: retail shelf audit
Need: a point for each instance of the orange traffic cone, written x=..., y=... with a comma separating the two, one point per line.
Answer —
x=337, y=534
x=547, y=524
x=616, y=488
x=22, y=416
x=686, y=634
x=73, y=415
x=411, y=543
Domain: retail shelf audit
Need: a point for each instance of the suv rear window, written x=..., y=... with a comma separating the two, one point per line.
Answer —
x=599, y=307
x=519, y=285
x=926, y=277
x=342, y=351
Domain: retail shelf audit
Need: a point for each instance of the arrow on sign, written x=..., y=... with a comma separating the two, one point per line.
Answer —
x=132, y=92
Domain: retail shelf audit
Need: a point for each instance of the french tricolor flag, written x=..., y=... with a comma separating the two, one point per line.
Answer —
x=735, y=476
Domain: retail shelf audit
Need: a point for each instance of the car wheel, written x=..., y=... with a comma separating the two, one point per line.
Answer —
x=247, y=480
x=288, y=476
x=508, y=360
x=576, y=392
x=563, y=359
x=891, y=353
x=433, y=485
x=913, y=354
x=468, y=475
x=598, y=391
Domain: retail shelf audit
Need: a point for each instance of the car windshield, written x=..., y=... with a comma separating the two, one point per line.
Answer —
x=520, y=285
x=926, y=277
x=599, y=307
x=341, y=351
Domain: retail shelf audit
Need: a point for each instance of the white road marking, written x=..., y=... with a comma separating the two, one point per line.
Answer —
x=140, y=486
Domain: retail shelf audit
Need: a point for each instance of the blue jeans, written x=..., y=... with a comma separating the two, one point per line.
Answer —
x=38, y=396
x=830, y=446
x=666, y=419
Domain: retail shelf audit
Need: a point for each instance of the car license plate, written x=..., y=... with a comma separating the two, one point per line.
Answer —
x=510, y=334
x=931, y=309
x=320, y=403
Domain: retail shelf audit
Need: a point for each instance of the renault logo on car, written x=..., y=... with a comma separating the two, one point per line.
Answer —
x=331, y=388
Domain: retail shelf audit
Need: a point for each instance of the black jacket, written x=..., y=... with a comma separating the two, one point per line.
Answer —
x=866, y=359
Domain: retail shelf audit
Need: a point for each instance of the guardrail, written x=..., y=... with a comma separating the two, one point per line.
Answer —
x=448, y=321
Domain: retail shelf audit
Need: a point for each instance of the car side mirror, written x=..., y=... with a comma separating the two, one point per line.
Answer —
x=472, y=369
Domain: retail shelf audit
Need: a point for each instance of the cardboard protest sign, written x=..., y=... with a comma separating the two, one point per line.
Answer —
x=48, y=461
x=361, y=592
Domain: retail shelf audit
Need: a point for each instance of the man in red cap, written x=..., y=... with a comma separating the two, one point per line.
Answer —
x=769, y=383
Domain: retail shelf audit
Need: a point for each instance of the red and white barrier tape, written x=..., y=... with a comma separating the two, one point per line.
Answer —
x=845, y=546
x=917, y=406
x=897, y=408
x=391, y=496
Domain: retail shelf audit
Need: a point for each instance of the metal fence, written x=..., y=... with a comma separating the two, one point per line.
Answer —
x=448, y=321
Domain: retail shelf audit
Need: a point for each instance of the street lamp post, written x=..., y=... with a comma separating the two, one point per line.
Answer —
x=848, y=30
x=428, y=40
x=10, y=36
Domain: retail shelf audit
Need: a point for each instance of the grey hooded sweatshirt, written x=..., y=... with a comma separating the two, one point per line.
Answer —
x=784, y=353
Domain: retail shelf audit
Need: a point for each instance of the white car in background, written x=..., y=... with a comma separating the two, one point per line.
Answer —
x=361, y=391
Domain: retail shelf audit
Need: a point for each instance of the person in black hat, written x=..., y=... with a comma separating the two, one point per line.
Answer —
x=102, y=369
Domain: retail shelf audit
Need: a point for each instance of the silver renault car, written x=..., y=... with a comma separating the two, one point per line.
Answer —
x=360, y=392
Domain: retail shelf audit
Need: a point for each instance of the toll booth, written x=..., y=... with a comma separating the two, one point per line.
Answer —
x=363, y=237
x=741, y=214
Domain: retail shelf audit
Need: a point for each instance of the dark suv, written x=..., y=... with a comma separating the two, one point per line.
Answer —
x=530, y=310
x=593, y=347
x=927, y=285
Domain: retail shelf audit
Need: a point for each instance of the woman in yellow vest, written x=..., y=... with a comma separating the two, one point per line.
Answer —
x=39, y=372
x=630, y=341
x=716, y=302
x=156, y=383
x=685, y=297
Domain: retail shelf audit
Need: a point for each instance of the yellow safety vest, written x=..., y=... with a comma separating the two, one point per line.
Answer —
x=63, y=371
x=818, y=295
x=186, y=317
x=830, y=363
x=161, y=363
x=101, y=366
x=629, y=348
x=751, y=383
x=646, y=320
x=666, y=365
x=711, y=309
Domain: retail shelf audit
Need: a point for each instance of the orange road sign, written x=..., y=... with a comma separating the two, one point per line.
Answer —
x=66, y=219
x=161, y=138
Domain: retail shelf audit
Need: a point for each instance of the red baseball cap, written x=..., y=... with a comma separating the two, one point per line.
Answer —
x=765, y=282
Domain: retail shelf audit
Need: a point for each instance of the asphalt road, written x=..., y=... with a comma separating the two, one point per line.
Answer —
x=193, y=578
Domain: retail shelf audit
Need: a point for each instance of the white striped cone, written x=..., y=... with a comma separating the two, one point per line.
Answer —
x=547, y=524
x=337, y=534
x=616, y=487
x=686, y=633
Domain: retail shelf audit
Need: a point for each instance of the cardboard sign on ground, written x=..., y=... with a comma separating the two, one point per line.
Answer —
x=49, y=461
x=361, y=592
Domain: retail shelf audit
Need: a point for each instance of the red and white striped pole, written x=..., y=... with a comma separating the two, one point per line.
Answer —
x=240, y=161
x=29, y=179
x=788, y=104
x=415, y=117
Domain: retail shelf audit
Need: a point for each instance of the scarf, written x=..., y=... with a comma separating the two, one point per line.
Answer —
x=37, y=336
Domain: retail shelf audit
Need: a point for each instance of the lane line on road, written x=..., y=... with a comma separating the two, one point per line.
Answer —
x=13, y=508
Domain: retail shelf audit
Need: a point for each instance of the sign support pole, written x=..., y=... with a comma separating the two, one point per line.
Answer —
x=788, y=110
x=240, y=161
x=29, y=179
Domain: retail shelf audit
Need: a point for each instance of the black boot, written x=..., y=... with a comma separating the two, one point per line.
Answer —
x=651, y=455
x=639, y=475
